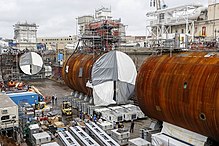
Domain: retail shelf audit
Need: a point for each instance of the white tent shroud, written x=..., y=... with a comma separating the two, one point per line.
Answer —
x=114, y=71
x=31, y=63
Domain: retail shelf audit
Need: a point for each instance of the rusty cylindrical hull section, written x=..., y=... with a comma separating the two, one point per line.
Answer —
x=77, y=71
x=182, y=90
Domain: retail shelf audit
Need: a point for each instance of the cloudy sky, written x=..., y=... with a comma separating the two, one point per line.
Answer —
x=57, y=17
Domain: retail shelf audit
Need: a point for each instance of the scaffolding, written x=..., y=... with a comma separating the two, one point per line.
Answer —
x=102, y=36
x=163, y=22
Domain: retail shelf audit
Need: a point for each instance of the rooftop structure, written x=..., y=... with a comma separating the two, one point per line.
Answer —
x=54, y=43
x=103, y=14
x=25, y=35
x=182, y=26
x=164, y=21
x=101, y=31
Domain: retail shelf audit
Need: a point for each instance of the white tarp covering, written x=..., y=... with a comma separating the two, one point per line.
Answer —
x=114, y=71
x=160, y=139
x=104, y=89
x=31, y=63
x=184, y=134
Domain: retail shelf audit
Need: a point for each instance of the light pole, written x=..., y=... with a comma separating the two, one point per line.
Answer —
x=76, y=28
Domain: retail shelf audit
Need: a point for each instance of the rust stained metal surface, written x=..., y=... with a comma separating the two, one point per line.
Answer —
x=182, y=90
x=77, y=71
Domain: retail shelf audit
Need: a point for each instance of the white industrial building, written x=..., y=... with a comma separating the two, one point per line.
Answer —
x=25, y=35
x=8, y=113
x=57, y=43
x=189, y=23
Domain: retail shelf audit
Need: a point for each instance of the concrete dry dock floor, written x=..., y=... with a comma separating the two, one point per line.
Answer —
x=49, y=87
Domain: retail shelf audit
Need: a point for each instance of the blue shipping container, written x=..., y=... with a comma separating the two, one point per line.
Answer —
x=60, y=57
x=29, y=97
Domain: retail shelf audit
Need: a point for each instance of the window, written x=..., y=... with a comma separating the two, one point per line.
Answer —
x=203, y=31
x=134, y=116
x=202, y=116
x=5, y=117
x=80, y=72
x=161, y=16
x=182, y=30
x=4, y=111
x=185, y=85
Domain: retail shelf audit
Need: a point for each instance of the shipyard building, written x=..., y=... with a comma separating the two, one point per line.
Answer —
x=25, y=35
x=193, y=23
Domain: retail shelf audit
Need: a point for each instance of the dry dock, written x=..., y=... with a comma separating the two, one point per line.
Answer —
x=50, y=87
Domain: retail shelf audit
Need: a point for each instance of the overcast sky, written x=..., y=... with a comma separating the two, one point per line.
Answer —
x=56, y=18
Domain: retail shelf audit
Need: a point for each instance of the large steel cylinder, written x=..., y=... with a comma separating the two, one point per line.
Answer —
x=77, y=71
x=183, y=90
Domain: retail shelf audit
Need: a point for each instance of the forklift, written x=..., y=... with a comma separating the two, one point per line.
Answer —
x=66, y=108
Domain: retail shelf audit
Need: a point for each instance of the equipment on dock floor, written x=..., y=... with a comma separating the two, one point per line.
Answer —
x=109, y=115
x=106, y=126
x=67, y=139
x=41, y=138
x=82, y=136
x=134, y=109
x=121, y=136
x=66, y=108
x=127, y=114
x=155, y=127
x=100, y=135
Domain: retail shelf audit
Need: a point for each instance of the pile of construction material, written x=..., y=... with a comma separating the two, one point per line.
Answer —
x=146, y=133
x=121, y=136
x=106, y=126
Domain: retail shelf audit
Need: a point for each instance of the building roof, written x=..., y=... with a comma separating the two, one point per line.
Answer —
x=22, y=94
x=5, y=101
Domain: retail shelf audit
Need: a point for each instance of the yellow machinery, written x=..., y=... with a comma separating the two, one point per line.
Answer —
x=66, y=108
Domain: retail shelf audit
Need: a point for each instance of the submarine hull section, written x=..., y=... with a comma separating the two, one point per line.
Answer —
x=76, y=72
x=182, y=90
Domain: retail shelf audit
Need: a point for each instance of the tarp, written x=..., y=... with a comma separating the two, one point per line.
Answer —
x=183, y=134
x=113, y=71
x=31, y=63
x=105, y=90
x=160, y=139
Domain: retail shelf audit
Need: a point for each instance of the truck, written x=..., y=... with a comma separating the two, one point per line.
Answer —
x=66, y=108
